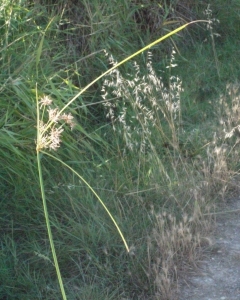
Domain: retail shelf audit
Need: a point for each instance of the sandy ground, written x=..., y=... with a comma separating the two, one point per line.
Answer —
x=218, y=277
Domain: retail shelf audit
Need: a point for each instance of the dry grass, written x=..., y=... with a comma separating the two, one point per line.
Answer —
x=146, y=113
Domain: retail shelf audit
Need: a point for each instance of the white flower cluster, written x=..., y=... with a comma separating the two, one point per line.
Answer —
x=49, y=134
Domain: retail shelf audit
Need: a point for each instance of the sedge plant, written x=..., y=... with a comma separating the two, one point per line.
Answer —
x=49, y=138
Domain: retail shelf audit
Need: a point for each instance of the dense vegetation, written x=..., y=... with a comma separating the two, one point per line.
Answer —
x=157, y=140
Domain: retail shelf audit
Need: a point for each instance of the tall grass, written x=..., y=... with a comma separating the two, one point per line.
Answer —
x=49, y=133
x=162, y=191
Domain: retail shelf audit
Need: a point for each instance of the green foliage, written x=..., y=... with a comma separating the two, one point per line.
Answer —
x=55, y=49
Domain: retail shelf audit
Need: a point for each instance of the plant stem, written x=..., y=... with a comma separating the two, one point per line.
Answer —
x=49, y=228
x=99, y=199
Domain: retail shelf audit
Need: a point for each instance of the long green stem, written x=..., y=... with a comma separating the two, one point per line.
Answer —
x=99, y=199
x=49, y=231
x=129, y=58
x=49, y=227
x=124, y=61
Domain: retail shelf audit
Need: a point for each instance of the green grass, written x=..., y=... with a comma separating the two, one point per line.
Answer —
x=186, y=167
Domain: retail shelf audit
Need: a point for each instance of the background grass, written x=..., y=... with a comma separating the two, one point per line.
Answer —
x=189, y=169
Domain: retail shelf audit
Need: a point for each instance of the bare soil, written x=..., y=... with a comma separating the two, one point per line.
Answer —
x=218, y=276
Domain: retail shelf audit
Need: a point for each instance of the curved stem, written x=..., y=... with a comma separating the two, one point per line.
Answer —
x=99, y=199
x=124, y=61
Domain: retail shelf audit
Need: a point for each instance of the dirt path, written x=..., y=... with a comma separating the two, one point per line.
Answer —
x=219, y=275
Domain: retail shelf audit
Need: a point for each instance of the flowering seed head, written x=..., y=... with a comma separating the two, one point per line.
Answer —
x=68, y=118
x=45, y=101
x=49, y=134
x=53, y=114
